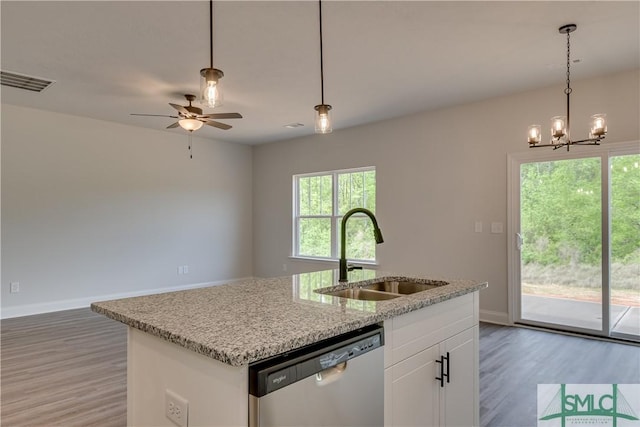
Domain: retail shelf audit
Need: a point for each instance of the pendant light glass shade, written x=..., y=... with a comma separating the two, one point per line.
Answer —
x=535, y=134
x=598, y=125
x=210, y=90
x=558, y=127
x=323, y=118
x=190, y=124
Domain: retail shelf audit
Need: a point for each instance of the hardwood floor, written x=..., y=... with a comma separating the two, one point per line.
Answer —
x=513, y=361
x=63, y=369
x=69, y=369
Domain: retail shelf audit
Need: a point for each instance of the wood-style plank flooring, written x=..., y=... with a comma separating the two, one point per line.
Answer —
x=63, y=369
x=513, y=361
x=69, y=369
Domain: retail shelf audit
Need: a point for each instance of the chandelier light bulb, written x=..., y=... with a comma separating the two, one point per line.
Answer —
x=535, y=134
x=598, y=125
x=558, y=127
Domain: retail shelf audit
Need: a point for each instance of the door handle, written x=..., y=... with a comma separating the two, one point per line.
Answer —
x=443, y=375
x=448, y=374
x=519, y=241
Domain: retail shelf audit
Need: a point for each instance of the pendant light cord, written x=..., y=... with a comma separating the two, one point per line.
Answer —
x=210, y=33
x=568, y=90
x=321, y=60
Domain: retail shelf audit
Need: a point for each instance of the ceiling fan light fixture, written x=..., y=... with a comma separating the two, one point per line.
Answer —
x=210, y=90
x=190, y=124
x=323, y=118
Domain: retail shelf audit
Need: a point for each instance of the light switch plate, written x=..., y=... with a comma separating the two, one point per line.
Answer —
x=478, y=227
x=496, y=227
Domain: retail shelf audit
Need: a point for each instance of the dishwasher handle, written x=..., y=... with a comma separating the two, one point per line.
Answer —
x=330, y=375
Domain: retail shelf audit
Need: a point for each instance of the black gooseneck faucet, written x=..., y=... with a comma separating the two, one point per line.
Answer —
x=377, y=234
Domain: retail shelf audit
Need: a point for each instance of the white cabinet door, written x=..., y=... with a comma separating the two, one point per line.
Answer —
x=459, y=400
x=411, y=392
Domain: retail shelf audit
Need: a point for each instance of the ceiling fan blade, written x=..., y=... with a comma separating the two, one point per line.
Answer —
x=154, y=115
x=173, y=125
x=181, y=109
x=221, y=116
x=218, y=125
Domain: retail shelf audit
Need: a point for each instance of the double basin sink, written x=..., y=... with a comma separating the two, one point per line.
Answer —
x=384, y=290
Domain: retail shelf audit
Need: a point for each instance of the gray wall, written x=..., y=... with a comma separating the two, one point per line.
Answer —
x=438, y=173
x=93, y=209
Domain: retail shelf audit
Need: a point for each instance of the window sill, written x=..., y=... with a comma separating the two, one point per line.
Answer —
x=371, y=264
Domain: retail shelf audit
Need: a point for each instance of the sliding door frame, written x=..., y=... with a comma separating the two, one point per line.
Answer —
x=514, y=161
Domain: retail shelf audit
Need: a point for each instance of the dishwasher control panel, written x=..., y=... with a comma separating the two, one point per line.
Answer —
x=280, y=371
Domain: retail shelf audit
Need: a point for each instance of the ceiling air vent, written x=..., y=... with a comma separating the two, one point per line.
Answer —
x=22, y=81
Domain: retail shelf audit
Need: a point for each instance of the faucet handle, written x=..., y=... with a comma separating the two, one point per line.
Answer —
x=351, y=267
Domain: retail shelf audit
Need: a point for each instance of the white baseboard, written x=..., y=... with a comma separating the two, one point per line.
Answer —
x=69, y=304
x=496, y=317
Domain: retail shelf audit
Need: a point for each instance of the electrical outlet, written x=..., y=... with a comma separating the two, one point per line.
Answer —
x=185, y=269
x=15, y=287
x=176, y=408
x=180, y=270
x=496, y=227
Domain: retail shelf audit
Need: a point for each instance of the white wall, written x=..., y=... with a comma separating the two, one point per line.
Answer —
x=93, y=209
x=438, y=172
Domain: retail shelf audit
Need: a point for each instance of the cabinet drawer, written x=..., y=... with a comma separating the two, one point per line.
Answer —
x=418, y=330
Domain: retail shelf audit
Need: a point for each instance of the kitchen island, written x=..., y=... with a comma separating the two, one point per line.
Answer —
x=198, y=343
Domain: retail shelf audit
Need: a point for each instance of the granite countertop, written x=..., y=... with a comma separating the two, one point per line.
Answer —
x=247, y=321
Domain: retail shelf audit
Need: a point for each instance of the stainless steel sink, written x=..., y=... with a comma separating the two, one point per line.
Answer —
x=402, y=287
x=363, y=294
x=384, y=290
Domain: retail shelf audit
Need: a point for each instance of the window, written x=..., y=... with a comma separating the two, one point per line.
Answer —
x=320, y=201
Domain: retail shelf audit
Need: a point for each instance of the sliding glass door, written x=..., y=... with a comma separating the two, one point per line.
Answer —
x=561, y=254
x=576, y=224
x=625, y=251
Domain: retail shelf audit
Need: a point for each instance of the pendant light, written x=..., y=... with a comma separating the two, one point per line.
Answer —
x=210, y=90
x=323, y=116
x=560, y=125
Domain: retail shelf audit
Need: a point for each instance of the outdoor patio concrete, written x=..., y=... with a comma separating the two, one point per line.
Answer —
x=580, y=314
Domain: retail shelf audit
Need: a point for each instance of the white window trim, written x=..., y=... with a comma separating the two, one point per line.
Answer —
x=335, y=256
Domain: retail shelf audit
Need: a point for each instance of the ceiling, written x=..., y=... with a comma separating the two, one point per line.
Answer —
x=382, y=59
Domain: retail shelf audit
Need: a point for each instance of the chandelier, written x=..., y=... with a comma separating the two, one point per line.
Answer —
x=560, y=125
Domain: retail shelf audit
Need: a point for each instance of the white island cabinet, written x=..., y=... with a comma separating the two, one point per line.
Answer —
x=189, y=351
x=431, y=365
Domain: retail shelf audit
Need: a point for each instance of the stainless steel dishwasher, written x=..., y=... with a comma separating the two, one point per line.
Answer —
x=337, y=382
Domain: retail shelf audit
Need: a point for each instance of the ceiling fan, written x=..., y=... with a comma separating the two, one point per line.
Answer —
x=190, y=118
